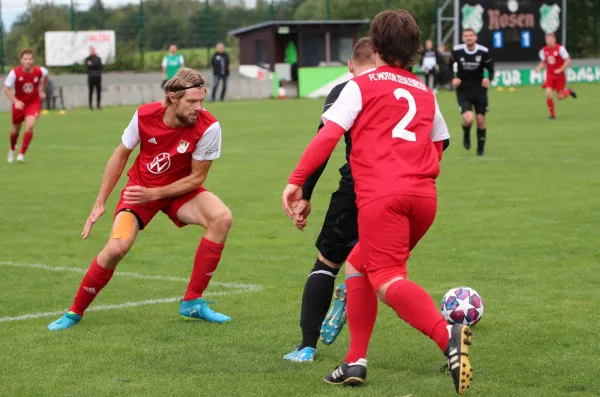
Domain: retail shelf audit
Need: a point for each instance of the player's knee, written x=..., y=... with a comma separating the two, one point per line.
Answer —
x=222, y=221
x=329, y=263
x=116, y=250
x=467, y=119
x=481, y=122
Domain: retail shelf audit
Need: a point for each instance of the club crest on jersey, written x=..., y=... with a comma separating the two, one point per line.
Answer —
x=472, y=17
x=183, y=146
x=478, y=58
x=549, y=18
x=35, y=80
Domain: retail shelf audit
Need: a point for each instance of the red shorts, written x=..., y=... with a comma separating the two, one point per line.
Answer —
x=557, y=82
x=145, y=212
x=30, y=109
x=388, y=229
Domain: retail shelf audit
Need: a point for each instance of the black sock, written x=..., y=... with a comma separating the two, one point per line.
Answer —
x=480, y=138
x=316, y=299
x=467, y=133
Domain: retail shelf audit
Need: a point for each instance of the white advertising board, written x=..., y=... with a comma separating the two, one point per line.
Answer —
x=69, y=48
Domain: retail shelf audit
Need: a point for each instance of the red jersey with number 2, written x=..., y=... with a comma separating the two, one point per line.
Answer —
x=394, y=119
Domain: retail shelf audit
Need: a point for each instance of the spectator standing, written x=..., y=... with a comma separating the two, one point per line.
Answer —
x=171, y=63
x=94, y=73
x=220, y=66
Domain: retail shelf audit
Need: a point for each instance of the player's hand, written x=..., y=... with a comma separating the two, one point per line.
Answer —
x=558, y=71
x=538, y=69
x=292, y=195
x=19, y=105
x=139, y=195
x=485, y=83
x=97, y=212
x=302, y=212
x=456, y=82
x=42, y=96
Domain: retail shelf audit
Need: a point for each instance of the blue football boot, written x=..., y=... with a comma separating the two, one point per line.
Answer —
x=305, y=355
x=336, y=318
x=68, y=320
x=198, y=309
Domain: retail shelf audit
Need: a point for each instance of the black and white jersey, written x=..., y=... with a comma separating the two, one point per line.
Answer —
x=346, y=182
x=469, y=65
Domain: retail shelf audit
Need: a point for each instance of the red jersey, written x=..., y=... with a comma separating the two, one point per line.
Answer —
x=26, y=84
x=394, y=119
x=554, y=58
x=166, y=153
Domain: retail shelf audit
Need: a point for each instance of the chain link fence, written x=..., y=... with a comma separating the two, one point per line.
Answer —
x=145, y=28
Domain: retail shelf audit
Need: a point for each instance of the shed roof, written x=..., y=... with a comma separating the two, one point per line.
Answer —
x=266, y=24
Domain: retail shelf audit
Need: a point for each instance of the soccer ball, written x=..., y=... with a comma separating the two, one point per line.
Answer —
x=462, y=305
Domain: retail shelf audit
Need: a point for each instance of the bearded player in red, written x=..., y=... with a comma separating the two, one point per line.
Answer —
x=397, y=134
x=179, y=140
x=29, y=83
x=556, y=59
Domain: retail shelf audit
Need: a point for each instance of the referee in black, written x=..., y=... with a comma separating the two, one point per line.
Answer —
x=469, y=61
x=94, y=73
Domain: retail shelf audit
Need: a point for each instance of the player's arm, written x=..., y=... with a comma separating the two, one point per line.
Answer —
x=338, y=119
x=45, y=76
x=565, y=55
x=181, y=61
x=311, y=181
x=9, y=83
x=440, y=134
x=542, y=63
x=164, y=68
x=456, y=74
x=113, y=171
x=488, y=63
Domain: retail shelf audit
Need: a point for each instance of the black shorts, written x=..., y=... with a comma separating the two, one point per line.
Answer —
x=339, y=233
x=477, y=99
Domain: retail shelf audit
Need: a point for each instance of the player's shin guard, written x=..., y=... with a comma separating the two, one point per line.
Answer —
x=361, y=311
x=13, y=140
x=318, y=291
x=94, y=280
x=26, y=141
x=206, y=261
x=414, y=305
x=550, y=103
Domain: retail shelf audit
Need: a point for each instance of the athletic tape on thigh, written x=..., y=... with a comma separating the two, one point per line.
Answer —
x=124, y=227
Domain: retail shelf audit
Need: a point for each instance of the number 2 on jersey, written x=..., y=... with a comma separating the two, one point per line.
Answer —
x=400, y=130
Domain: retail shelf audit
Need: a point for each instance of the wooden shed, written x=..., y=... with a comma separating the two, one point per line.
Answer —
x=275, y=45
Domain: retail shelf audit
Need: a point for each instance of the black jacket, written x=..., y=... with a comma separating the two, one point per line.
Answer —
x=220, y=64
x=94, y=66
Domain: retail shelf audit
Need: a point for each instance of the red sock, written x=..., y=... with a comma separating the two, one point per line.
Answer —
x=13, y=141
x=94, y=280
x=207, y=258
x=414, y=305
x=26, y=140
x=550, y=103
x=566, y=92
x=361, y=310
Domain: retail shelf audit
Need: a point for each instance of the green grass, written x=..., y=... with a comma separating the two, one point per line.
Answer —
x=520, y=226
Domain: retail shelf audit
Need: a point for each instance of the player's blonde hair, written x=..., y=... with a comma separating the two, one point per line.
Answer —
x=184, y=78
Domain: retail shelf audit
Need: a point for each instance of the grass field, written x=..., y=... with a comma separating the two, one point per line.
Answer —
x=520, y=226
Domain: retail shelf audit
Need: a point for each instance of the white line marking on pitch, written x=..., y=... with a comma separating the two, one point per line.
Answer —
x=250, y=287
x=235, y=289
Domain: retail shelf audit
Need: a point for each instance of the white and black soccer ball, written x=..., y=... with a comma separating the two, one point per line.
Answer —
x=462, y=305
